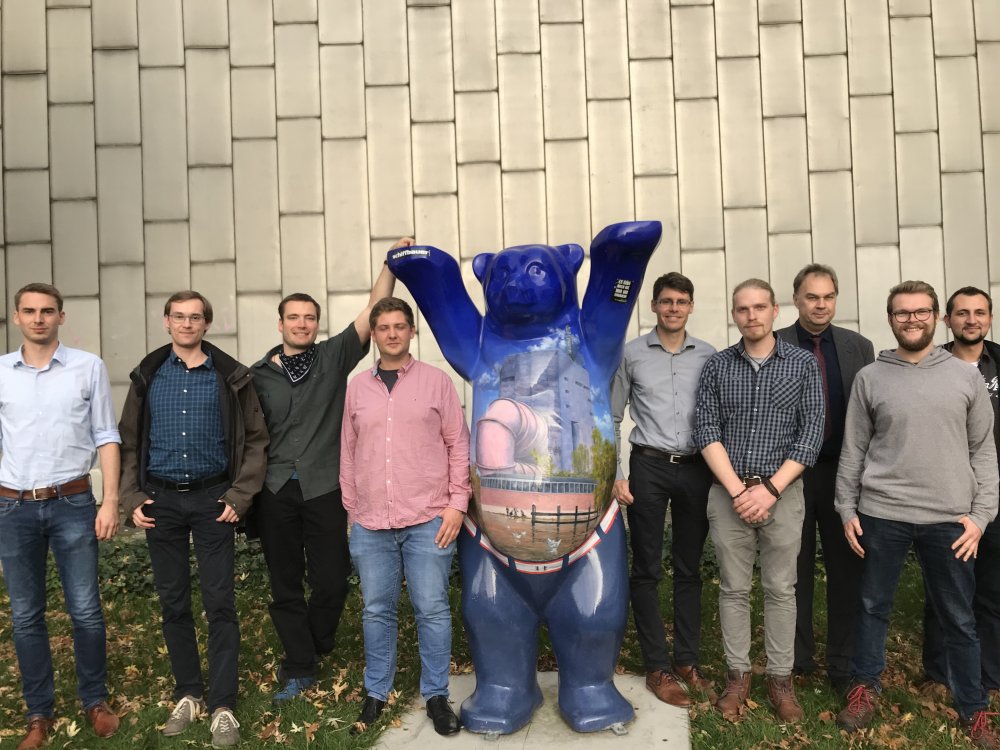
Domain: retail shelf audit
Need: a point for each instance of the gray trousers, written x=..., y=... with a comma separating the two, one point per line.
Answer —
x=736, y=546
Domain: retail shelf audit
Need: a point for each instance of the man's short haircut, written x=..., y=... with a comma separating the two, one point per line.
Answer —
x=753, y=284
x=388, y=305
x=38, y=288
x=673, y=280
x=818, y=269
x=912, y=287
x=188, y=294
x=297, y=297
x=967, y=291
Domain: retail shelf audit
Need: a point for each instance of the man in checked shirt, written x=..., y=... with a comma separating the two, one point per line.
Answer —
x=759, y=425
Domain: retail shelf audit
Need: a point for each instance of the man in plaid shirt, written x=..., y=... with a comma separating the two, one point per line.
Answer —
x=759, y=425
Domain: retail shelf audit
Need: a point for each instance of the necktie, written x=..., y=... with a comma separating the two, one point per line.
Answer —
x=827, y=422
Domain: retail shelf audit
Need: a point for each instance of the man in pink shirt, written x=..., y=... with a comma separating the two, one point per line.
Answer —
x=405, y=506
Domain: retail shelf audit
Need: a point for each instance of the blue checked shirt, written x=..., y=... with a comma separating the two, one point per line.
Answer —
x=186, y=439
x=762, y=418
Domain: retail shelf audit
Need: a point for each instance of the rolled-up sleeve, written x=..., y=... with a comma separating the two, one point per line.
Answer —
x=809, y=438
x=708, y=411
x=103, y=426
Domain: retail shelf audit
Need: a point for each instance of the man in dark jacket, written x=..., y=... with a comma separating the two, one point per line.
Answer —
x=969, y=315
x=193, y=457
x=840, y=353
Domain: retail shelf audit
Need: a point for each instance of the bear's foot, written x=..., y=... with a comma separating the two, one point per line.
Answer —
x=497, y=709
x=591, y=708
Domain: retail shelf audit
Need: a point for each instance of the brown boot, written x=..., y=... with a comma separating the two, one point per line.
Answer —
x=102, y=719
x=38, y=733
x=695, y=680
x=860, y=708
x=732, y=703
x=667, y=688
x=980, y=731
x=781, y=693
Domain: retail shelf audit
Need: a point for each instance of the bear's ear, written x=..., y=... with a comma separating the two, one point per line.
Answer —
x=480, y=263
x=573, y=255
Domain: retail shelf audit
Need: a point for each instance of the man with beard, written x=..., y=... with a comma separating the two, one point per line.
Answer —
x=299, y=514
x=918, y=469
x=841, y=353
x=759, y=424
x=969, y=314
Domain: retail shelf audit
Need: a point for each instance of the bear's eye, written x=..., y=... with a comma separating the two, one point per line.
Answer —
x=536, y=271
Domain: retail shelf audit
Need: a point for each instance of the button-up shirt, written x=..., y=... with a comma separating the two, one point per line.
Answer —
x=186, y=439
x=762, y=417
x=53, y=419
x=661, y=388
x=834, y=386
x=405, y=454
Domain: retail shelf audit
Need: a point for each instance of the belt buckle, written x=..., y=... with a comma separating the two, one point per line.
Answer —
x=34, y=496
x=673, y=458
x=749, y=477
x=182, y=487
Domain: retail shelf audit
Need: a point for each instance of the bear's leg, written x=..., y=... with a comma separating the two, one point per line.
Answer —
x=586, y=621
x=503, y=636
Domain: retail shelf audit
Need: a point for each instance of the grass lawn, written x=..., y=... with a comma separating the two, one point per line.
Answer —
x=140, y=681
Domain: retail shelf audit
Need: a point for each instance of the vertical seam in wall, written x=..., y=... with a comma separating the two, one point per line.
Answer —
x=232, y=182
x=48, y=145
x=805, y=125
x=937, y=130
x=850, y=136
x=895, y=144
x=763, y=139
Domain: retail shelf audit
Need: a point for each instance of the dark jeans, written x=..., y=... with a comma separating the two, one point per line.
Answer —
x=843, y=576
x=656, y=484
x=304, y=539
x=951, y=585
x=986, y=607
x=27, y=531
x=179, y=517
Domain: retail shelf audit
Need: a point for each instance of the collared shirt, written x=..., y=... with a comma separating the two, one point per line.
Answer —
x=304, y=419
x=762, y=417
x=186, y=439
x=834, y=386
x=53, y=419
x=404, y=455
x=661, y=388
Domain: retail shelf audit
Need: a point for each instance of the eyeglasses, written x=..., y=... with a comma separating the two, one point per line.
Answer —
x=902, y=316
x=181, y=318
x=674, y=302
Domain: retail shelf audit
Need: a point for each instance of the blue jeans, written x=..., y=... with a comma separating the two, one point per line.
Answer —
x=951, y=585
x=27, y=530
x=382, y=558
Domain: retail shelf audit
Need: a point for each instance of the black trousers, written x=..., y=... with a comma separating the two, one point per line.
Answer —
x=843, y=577
x=985, y=605
x=181, y=516
x=656, y=484
x=304, y=540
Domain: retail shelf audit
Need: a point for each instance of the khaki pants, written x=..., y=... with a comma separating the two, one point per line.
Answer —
x=736, y=546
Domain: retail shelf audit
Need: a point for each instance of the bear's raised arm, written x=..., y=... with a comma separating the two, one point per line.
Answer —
x=618, y=259
x=435, y=281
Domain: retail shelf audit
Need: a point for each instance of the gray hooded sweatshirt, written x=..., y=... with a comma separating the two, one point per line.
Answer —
x=918, y=443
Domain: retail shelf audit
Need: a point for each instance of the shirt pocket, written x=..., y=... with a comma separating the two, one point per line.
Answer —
x=785, y=393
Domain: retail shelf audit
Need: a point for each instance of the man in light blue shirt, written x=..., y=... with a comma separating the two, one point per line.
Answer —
x=55, y=414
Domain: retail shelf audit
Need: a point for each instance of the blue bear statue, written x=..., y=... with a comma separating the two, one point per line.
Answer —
x=544, y=542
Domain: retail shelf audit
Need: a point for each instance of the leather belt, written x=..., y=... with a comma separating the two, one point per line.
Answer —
x=674, y=458
x=198, y=484
x=750, y=480
x=72, y=487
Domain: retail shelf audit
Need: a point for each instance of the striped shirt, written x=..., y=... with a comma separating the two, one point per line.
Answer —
x=762, y=417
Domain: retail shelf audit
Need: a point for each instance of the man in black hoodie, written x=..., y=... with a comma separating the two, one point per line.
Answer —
x=193, y=457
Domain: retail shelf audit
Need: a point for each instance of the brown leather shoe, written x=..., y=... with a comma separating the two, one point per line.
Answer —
x=38, y=733
x=733, y=701
x=696, y=680
x=781, y=693
x=860, y=708
x=667, y=688
x=980, y=731
x=102, y=719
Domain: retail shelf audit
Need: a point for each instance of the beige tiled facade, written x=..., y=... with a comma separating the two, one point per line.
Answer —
x=250, y=148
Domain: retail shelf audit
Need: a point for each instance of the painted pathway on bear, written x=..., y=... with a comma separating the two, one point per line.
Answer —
x=656, y=724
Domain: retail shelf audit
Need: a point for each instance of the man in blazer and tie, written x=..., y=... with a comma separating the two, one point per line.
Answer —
x=841, y=354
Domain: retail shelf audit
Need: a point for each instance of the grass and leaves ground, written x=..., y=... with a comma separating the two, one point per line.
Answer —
x=140, y=683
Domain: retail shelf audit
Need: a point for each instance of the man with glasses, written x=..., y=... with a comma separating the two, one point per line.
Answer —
x=841, y=353
x=969, y=315
x=759, y=424
x=193, y=457
x=658, y=378
x=918, y=469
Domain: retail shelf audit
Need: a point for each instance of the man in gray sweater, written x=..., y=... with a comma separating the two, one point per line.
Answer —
x=918, y=468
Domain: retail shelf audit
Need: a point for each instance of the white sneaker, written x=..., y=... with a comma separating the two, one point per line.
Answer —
x=225, y=728
x=186, y=711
